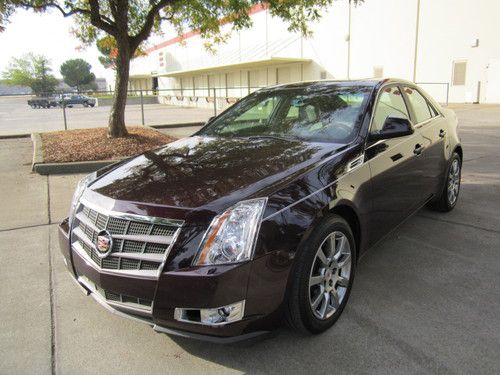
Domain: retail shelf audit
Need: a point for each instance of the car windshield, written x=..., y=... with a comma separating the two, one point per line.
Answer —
x=317, y=114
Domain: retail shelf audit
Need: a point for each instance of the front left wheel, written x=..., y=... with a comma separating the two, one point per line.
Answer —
x=322, y=277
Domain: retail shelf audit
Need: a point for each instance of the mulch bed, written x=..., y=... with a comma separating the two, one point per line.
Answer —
x=93, y=144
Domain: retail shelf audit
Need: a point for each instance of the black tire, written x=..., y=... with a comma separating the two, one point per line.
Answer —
x=298, y=309
x=443, y=202
x=85, y=104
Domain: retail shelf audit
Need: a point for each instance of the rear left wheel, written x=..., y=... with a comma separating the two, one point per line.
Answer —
x=448, y=198
x=323, y=277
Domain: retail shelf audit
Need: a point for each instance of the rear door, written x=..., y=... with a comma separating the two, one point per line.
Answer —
x=432, y=126
x=395, y=166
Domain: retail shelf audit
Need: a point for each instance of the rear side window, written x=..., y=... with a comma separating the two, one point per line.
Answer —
x=419, y=105
x=390, y=104
x=434, y=113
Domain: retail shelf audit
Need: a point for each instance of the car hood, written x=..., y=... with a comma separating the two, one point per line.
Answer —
x=210, y=173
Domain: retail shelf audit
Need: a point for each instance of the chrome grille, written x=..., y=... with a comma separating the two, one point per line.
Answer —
x=140, y=244
x=110, y=296
x=120, y=299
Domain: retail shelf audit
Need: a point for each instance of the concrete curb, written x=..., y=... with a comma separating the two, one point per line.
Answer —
x=183, y=125
x=73, y=167
x=161, y=126
x=36, y=138
x=38, y=166
x=14, y=136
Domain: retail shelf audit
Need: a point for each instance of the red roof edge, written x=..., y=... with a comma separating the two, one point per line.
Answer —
x=254, y=9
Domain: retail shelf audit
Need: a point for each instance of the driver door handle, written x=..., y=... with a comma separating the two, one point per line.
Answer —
x=418, y=149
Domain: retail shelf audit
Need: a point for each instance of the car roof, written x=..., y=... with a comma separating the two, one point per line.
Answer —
x=369, y=82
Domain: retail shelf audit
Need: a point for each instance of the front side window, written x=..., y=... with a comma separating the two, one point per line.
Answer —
x=419, y=105
x=317, y=114
x=390, y=104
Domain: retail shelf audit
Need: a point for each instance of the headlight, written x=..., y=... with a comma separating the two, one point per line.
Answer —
x=80, y=188
x=231, y=235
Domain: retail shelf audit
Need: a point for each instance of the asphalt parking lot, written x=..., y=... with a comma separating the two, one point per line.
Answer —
x=425, y=300
x=16, y=117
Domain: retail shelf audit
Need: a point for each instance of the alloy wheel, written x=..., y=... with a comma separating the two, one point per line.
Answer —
x=453, y=182
x=329, y=277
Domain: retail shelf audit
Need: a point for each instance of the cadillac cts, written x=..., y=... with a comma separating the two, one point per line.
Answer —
x=262, y=215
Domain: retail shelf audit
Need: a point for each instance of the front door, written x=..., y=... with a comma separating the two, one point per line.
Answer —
x=395, y=166
x=492, y=92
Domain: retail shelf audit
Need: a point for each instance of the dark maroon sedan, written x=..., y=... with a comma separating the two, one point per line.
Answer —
x=262, y=215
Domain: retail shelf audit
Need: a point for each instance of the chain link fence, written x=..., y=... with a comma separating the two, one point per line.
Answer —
x=440, y=91
x=24, y=114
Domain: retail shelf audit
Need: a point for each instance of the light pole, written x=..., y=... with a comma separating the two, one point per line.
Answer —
x=349, y=42
x=417, y=30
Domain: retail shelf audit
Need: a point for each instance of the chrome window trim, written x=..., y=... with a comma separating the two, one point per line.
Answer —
x=423, y=123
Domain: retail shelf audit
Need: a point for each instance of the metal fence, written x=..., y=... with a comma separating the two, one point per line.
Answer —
x=164, y=107
x=438, y=90
x=22, y=114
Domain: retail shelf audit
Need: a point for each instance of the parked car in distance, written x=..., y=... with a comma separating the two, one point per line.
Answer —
x=72, y=100
x=262, y=215
x=42, y=102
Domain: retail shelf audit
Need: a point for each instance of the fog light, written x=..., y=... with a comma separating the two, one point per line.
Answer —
x=216, y=316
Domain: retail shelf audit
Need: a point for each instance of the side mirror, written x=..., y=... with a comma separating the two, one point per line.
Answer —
x=394, y=127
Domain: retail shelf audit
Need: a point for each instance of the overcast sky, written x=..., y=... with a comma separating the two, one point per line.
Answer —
x=47, y=34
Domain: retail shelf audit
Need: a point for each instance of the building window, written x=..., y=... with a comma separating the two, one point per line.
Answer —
x=458, y=76
x=378, y=71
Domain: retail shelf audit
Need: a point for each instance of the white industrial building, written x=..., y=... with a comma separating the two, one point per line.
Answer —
x=451, y=47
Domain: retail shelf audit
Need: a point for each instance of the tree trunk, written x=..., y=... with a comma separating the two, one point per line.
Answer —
x=116, y=125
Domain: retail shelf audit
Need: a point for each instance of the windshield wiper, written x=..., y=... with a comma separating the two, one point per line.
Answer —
x=275, y=136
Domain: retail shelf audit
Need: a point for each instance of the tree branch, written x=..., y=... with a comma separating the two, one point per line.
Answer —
x=97, y=20
x=145, y=31
x=101, y=22
x=45, y=6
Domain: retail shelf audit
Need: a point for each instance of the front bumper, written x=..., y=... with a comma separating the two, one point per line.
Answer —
x=194, y=288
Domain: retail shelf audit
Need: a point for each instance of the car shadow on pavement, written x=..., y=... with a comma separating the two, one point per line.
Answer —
x=412, y=309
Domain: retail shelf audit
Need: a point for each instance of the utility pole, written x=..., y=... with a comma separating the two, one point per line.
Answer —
x=349, y=43
x=417, y=31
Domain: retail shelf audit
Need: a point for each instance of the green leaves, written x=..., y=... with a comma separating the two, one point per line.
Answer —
x=136, y=20
x=33, y=71
x=76, y=73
